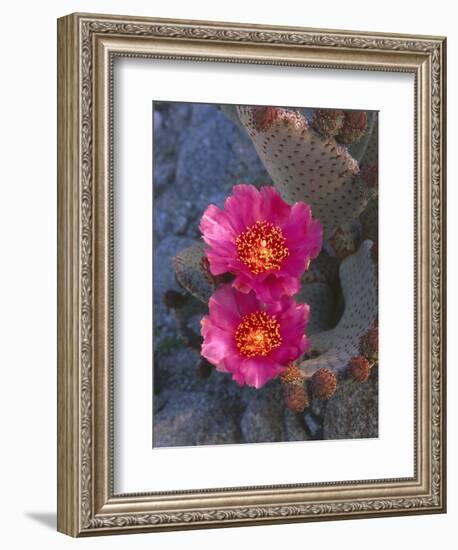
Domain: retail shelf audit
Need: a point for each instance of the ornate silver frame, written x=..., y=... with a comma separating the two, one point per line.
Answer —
x=87, y=44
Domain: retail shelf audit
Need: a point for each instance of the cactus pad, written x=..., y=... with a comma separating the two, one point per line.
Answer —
x=305, y=166
x=323, y=269
x=192, y=273
x=337, y=346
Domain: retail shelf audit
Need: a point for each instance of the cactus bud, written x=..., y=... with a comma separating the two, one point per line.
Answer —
x=323, y=383
x=292, y=375
x=369, y=174
x=354, y=126
x=296, y=395
x=264, y=117
x=369, y=344
x=296, y=398
x=174, y=300
x=360, y=368
x=328, y=122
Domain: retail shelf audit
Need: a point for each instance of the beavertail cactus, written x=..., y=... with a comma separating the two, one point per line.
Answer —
x=191, y=271
x=307, y=166
x=336, y=347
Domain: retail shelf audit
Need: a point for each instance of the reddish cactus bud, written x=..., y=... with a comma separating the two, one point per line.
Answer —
x=295, y=393
x=354, y=126
x=328, y=122
x=360, y=368
x=369, y=344
x=323, y=383
x=369, y=174
x=174, y=300
x=296, y=398
x=264, y=117
x=292, y=375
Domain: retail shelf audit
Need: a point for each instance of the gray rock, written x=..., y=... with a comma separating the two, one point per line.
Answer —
x=317, y=406
x=214, y=155
x=164, y=279
x=159, y=401
x=194, y=418
x=180, y=224
x=352, y=412
x=175, y=369
x=164, y=173
x=313, y=423
x=262, y=420
x=294, y=426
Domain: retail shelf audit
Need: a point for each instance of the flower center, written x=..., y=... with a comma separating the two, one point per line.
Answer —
x=262, y=247
x=258, y=334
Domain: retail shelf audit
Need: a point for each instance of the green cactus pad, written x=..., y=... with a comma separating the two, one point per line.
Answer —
x=306, y=166
x=358, y=275
x=192, y=273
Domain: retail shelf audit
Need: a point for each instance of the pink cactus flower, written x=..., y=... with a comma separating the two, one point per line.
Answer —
x=266, y=243
x=251, y=340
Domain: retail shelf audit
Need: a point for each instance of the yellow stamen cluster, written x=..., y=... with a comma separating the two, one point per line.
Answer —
x=258, y=334
x=262, y=247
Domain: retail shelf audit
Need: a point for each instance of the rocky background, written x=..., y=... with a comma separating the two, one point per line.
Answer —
x=199, y=154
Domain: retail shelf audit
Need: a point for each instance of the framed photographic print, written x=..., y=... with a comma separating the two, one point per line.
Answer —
x=251, y=281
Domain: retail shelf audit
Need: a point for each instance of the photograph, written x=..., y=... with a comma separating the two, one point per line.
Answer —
x=265, y=274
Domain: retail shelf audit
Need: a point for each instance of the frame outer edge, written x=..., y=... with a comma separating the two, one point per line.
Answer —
x=76, y=380
x=443, y=279
x=68, y=398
